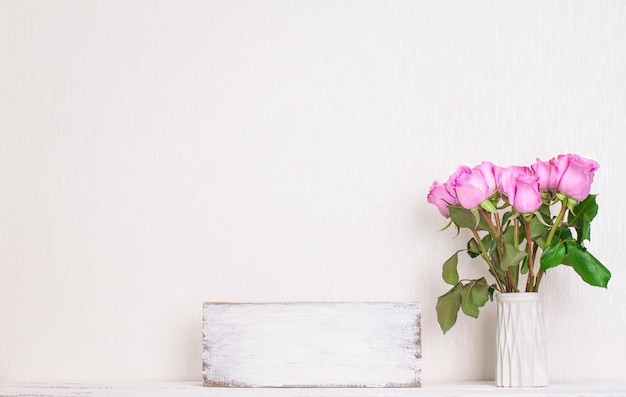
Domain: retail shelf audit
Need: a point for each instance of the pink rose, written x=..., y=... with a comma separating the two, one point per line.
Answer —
x=441, y=198
x=451, y=182
x=475, y=185
x=521, y=187
x=507, y=177
x=575, y=175
x=547, y=173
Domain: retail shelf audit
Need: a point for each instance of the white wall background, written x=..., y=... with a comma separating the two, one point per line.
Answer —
x=157, y=154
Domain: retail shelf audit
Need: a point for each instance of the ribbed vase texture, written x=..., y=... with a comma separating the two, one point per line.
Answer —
x=521, y=340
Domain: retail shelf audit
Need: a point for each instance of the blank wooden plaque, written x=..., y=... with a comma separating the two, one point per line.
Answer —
x=312, y=344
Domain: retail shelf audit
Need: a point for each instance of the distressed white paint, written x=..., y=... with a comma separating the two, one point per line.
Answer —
x=194, y=389
x=312, y=344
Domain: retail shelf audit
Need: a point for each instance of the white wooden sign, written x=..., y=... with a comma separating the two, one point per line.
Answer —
x=312, y=344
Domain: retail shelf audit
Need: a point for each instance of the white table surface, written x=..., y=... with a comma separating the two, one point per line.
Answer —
x=193, y=389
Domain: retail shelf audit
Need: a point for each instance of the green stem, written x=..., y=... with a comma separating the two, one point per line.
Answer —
x=495, y=231
x=557, y=223
x=510, y=281
x=488, y=260
x=531, y=256
x=498, y=224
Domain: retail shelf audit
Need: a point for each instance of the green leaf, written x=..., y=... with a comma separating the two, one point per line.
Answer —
x=476, y=214
x=581, y=216
x=495, y=261
x=450, y=274
x=552, y=256
x=466, y=218
x=499, y=274
x=462, y=217
x=448, y=306
x=488, y=206
x=570, y=202
x=480, y=292
x=524, y=268
x=545, y=211
x=511, y=256
x=490, y=243
x=492, y=290
x=542, y=218
x=509, y=216
x=537, y=228
x=509, y=235
x=467, y=303
x=584, y=233
x=563, y=233
x=492, y=250
x=588, y=207
x=473, y=248
x=591, y=270
x=474, y=295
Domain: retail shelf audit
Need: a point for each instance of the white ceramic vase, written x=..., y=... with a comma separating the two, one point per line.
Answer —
x=521, y=340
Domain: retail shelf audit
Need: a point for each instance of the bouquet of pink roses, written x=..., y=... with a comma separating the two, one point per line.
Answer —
x=510, y=214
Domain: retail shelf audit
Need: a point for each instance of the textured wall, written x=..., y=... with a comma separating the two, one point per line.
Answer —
x=157, y=154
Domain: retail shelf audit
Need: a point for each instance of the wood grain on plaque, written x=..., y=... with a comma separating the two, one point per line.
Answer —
x=312, y=344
